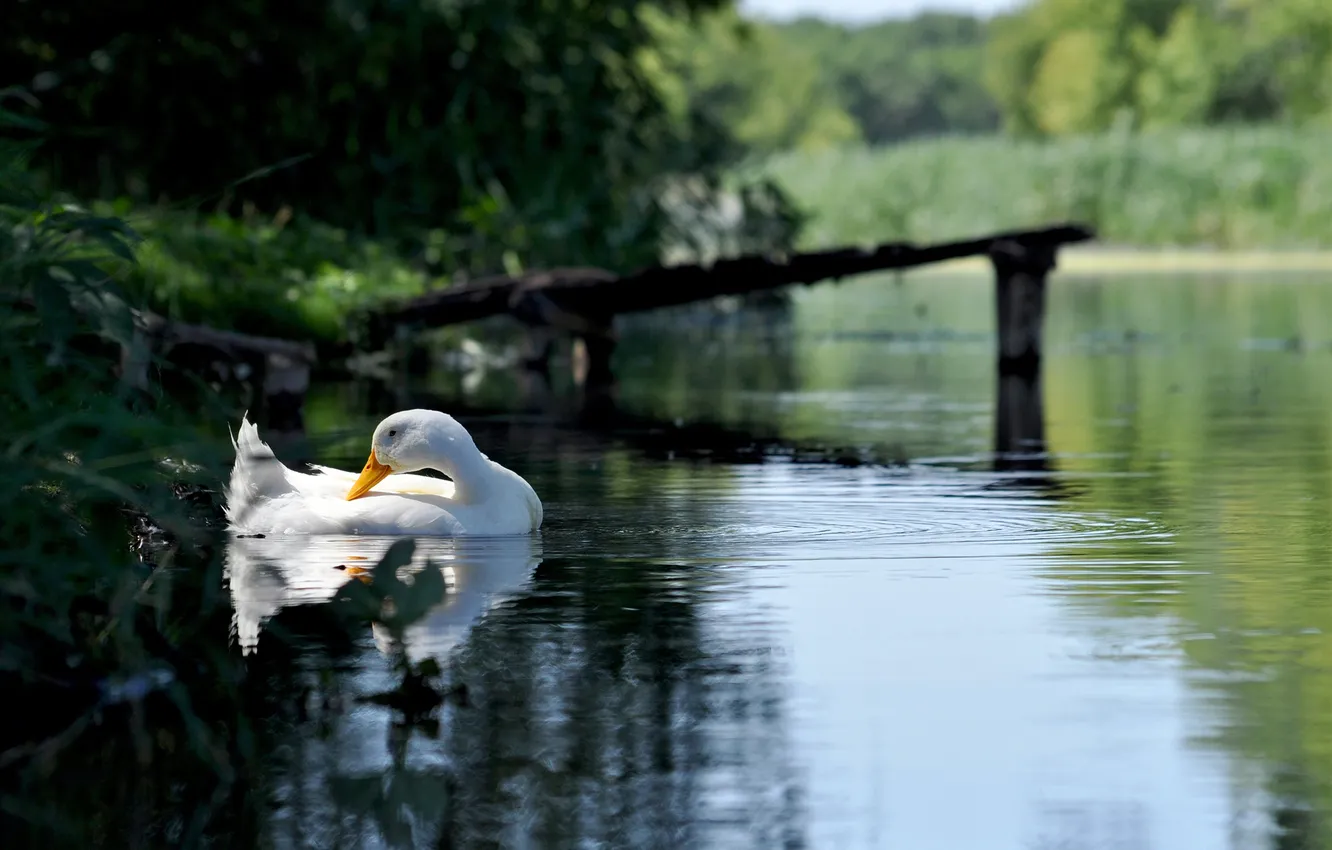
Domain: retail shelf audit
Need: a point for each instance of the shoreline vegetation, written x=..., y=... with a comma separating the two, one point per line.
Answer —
x=1156, y=201
x=275, y=169
x=1182, y=124
x=1241, y=188
x=1209, y=200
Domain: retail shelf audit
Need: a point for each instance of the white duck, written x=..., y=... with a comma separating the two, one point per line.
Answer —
x=482, y=499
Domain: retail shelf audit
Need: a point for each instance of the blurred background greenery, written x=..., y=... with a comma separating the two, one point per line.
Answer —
x=276, y=167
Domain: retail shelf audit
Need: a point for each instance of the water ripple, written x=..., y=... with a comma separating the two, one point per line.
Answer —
x=851, y=516
x=945, y=520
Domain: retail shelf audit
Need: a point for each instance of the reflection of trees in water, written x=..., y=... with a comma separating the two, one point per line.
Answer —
x=1255, y=694
x=99, y=793
x=1279, y=817
x=1258, y=690
x=1296, y=823
x=597, y=708
x=601, y=714
x=703, y=364
x=1286, y=787
x=1229, y=444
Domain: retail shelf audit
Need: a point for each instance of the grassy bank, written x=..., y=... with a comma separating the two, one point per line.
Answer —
x=1241, y=188
x=275, y=276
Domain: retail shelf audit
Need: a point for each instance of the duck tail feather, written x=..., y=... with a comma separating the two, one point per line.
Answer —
x=257, y=474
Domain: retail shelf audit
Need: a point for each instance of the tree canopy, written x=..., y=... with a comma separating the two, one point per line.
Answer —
x=810, y=83
x=1077, y=66
x=532, y=124
x=1052, y=67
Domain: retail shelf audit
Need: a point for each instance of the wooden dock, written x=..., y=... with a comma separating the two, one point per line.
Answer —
x=583, y=302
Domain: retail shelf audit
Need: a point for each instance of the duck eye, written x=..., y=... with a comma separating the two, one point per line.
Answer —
x=393, y=433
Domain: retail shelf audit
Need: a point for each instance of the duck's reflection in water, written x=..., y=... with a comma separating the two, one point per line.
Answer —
x=608, y=702
x=267, y=574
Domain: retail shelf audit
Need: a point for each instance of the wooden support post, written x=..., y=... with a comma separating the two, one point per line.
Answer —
x=286, y=380
x=538, y=345
x=137, y=357
x=1020, y=269
x=594, y=333
x=599, y=348
x=593, y=350
x=1019, y=424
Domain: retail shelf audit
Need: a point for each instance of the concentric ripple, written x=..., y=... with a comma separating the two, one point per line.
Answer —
x=855, y=514
x=972, y=520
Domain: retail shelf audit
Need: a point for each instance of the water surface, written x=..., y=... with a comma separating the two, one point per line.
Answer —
x=1128, y=646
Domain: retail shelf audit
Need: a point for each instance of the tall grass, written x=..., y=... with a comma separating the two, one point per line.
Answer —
x=1228, y=188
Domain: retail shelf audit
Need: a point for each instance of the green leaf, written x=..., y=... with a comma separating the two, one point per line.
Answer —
x=113, y=317
x=112, y=233
x=115, y=243
x=414, y=601
x=385, y=573
x=360, y=599
x=85, y=271
x=21, y=122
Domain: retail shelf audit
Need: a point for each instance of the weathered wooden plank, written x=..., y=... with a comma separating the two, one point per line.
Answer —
x=278, y=368
x=169, y=332
x=598, y=294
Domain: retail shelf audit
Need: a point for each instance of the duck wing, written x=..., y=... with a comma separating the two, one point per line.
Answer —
x=330, y=481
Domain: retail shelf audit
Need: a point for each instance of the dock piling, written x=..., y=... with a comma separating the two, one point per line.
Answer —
x=1020, y=269
x=1019, y=423
x=599, y=346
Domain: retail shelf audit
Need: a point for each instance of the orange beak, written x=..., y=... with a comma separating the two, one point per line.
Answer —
x=373, y=473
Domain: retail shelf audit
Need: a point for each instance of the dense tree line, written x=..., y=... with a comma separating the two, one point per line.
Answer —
x=1052, y=67
x=811, y=83
x=903, y=78
x=1071, y=66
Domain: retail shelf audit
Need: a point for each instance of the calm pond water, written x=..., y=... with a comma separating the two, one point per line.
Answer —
x=1131, y=649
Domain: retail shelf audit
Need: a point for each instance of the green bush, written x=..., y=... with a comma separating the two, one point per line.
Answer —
x=114, y=647
x=297, y=279
x=89, y=628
